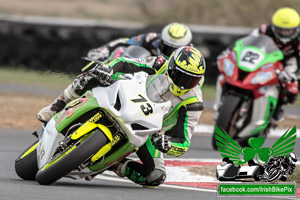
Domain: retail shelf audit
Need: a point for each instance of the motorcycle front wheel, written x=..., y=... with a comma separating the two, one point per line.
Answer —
x=227, y=112
x=70, y=158
x=26, y=165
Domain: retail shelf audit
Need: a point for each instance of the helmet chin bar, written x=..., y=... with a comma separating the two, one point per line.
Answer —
x=175, y=89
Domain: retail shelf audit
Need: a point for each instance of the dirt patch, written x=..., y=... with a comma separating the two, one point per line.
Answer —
x=18, y=111
x=230, y=12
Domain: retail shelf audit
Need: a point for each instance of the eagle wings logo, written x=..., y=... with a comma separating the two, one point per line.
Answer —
x=231, y=149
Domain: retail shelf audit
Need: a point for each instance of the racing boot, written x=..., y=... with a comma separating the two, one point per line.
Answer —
x=120, y=167
x=46, y=113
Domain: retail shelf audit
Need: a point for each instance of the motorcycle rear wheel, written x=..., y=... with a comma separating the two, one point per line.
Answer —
x=26, y=165
x=71, y=158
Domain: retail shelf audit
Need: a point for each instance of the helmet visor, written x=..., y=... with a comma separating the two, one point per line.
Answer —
x=166, y=49
x=286, y=33
x=183, y=79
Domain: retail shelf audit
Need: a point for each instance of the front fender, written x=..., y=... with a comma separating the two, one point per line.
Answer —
x=90, y=126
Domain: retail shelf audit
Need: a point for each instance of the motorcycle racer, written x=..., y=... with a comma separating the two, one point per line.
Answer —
x=183, y=73
x=172, y=36
x=282, y=165
x=284, y=30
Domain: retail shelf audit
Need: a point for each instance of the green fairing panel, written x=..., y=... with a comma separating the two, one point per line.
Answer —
x=116, y=156
x=75, y=109
x=272, y=57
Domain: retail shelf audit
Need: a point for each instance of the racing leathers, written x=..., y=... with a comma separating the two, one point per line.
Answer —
x=178, y=124
x=149, y=41
x=287, y=77
x=291, y=63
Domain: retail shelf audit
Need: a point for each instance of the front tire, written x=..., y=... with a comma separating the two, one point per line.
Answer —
x=227, y=111
x=71, y=158
x=26, y=165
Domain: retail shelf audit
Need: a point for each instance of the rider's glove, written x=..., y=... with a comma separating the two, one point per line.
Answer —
x=289, y=86
x=98, y=54
x=103, y=73
x=285, y=77
x=161, y=142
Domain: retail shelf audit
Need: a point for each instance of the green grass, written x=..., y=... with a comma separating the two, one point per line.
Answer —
x=30, y=77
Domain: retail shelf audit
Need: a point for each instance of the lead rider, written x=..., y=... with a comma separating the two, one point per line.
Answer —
x=183, y=73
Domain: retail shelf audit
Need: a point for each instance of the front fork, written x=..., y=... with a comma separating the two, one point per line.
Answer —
x=219, y=90
x=218, y=103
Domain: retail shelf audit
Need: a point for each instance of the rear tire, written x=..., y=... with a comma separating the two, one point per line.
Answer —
x=65, y=164
x=26, y=165
x=226, y=113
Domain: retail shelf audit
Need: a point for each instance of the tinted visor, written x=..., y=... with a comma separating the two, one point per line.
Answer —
x=183, y=79
x=288, y=33
x=166, y=49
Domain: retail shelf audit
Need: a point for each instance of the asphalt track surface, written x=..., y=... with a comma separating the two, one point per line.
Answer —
x=13, y=142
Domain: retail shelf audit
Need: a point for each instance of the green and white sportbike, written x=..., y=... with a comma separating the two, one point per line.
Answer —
x=94, y=132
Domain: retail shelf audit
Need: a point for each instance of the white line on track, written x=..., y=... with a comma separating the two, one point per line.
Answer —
x=117, y=179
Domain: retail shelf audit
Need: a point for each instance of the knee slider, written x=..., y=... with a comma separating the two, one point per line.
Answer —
x=156, y=178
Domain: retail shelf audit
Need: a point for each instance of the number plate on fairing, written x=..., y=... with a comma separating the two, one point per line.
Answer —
x=250, y=59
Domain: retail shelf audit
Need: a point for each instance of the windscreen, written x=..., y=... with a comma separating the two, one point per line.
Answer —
x=263, y=42
x=158, y=88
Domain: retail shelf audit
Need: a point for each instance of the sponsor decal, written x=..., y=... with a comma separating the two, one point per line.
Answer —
x=116, y=139
x=262, y=78
x=228, y=67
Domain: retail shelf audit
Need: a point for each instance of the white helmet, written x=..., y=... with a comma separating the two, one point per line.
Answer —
x=173, y=36
x=293, y=157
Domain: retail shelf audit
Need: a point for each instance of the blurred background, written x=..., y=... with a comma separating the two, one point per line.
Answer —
x=42, y=36
x=214, y=12
x=54, y=35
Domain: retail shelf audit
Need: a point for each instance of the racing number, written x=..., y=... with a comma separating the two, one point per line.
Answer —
x=145, y=106
x=250, y=57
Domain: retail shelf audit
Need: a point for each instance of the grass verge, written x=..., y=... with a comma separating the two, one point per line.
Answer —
x=10, y=75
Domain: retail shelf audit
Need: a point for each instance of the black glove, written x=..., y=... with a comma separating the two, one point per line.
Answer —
x=103, y=73
x=58, y=106
x=161, y=142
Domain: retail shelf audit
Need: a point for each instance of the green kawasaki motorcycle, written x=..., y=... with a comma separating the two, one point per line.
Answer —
x=94, y=132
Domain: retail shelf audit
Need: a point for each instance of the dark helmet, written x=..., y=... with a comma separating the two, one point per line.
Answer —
x=174, y=36
x=185, y=69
